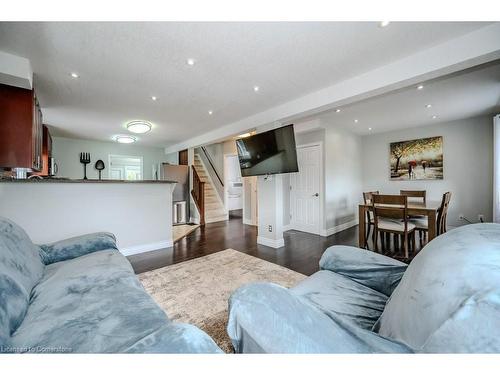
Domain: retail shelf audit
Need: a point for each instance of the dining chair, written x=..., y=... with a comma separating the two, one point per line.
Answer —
x=422, y=225
x=367, y=197
x=391, y=217
x=421, y=195
x=443, y=213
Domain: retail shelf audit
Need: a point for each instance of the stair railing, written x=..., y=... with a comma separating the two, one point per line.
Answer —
x=198, y=194
x=209, y=158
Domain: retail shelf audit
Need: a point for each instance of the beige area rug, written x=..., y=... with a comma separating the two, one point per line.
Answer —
x=181, y=231
x=197, y=291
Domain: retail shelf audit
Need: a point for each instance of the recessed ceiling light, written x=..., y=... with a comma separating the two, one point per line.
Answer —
x=337, y=110
x=420, y=87
x=153, y=98
x=384, y=23
x=74, y=75
x=139, y=127
x=256, y=88
x=434, y=117
x=428, y=106
x=356, y=121
x=210, y=112
x=125, y=139
x=190, y=62
x=370, y=129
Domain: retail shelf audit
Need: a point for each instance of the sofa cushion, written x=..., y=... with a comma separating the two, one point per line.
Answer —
x=344, y=297
x=93, y=303
x=77, y=246
x=20, y=269
x=449, y=298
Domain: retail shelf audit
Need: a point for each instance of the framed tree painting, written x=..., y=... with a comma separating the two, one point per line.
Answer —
x=417, y=159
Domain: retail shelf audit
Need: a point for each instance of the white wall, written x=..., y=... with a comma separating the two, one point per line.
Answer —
x=172, y=158
x=139, y=214
x=343, y=178
x=270, y=208
x=15, y=71
x=216, y=152
x=468, y=165
x=66, y=151
x=341, y=169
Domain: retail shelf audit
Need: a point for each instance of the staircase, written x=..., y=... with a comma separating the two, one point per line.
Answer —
x=214, y=208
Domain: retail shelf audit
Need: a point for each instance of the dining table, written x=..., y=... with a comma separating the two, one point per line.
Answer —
x=428, y=209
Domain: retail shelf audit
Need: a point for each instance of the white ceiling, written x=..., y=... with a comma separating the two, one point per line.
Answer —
x=466, y=94
x=121, y=65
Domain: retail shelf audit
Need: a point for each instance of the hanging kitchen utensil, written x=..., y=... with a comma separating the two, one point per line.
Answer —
x=85, y=159
x=99, y=165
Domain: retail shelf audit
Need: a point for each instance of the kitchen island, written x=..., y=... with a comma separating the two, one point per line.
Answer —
x=138, y=213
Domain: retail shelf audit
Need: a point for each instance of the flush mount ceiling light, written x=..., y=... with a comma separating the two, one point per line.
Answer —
x=428, y=106
x=190, y=62
x=356, y=121
x=74, y=75
x=256, y=88
x=420, y=87
x=125, y=139
x=153, y=98
x=384, y=23
x=434, y=117
x=210, y=112
x=370, y=129
x=337, y=110
x=139, y=127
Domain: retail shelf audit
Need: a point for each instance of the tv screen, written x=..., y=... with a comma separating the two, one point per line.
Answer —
x=271, y=152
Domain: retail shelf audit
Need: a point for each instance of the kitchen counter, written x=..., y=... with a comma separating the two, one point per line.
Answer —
x=67, y=180
x=138, y=213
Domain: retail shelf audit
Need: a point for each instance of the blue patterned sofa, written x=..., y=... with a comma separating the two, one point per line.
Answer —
x=81, y=296
x=446, y=301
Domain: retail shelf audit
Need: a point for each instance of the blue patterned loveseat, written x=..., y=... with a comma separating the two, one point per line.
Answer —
x=446, y=301
x=81, y=296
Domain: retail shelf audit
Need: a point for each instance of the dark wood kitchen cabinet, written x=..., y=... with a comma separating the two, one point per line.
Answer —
x=46, y=153
x=21, y=131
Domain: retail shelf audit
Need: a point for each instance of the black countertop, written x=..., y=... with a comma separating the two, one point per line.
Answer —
x=68, y=180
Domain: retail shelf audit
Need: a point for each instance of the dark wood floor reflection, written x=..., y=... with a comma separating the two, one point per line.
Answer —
x=301, y=252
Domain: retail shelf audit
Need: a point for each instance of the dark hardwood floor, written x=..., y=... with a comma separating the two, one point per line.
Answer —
x=301, y=252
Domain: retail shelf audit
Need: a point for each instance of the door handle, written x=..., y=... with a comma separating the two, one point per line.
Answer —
x=316, y=195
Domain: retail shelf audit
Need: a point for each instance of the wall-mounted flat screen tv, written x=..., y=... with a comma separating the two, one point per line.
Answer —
x=271, y=152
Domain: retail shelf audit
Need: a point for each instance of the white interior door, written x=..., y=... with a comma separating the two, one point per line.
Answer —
x=305, y=190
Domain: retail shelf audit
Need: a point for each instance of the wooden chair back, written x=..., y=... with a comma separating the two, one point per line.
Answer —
x=442, y=213
x=390, y=207
x=367, y=197
x=420, y=194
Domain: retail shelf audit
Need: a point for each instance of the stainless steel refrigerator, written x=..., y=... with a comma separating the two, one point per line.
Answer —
x=180, y=198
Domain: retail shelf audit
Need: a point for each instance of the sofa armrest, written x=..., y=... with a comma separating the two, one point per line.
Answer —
x=373, y=270
x=77, y=246
x=176, y=338
x=267, y=318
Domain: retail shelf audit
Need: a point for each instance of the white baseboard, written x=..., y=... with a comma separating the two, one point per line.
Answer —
x=271, y=243
x=287, y=227
x=248, y=222
x=194, y=220
x=339, y=228
x=146, y=247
